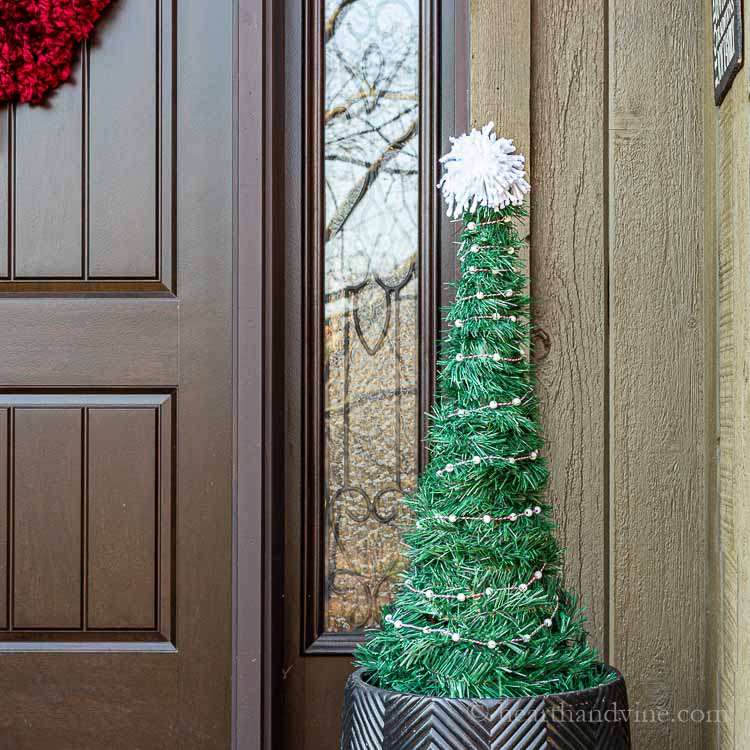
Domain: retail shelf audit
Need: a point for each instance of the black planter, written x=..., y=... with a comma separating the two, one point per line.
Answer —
x=594, y=719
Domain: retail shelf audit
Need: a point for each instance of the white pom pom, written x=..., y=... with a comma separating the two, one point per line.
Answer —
x=461, y=597
x=452, y=518
x=482, y=170
x=493, y=404
x=491, y=645
x=398, y=624
x=488, y=591
x=548, y=623
x=516, y=401
x=487, y=519
x=496, y=357
x=471, y=226
x=428, y=594
x=455, y=637
x=477, y=459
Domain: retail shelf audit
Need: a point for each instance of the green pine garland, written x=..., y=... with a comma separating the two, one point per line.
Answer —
x=461, y=557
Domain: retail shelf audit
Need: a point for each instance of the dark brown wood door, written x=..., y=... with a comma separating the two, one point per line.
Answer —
x=356, y=302
x=116, y=392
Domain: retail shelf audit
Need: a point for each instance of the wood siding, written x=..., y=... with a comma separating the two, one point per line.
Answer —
x=607, y=99
x=730, y=565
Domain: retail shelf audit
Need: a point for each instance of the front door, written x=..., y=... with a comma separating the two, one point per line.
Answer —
x=373, y=89
x=116, y=392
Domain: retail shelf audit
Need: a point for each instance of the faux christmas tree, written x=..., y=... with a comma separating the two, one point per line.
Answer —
x=482, y=611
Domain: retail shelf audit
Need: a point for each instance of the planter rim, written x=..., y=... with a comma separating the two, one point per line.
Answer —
x=358, y=679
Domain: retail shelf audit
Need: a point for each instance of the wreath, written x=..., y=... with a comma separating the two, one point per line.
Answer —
x=38, y=40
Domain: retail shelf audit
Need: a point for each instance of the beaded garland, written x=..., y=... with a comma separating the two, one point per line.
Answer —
x=458, y=638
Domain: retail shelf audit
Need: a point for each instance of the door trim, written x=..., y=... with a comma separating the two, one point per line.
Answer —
x=256, y=367
x=258, y=362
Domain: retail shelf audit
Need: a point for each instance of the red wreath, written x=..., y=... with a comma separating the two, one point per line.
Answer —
x=38, y=39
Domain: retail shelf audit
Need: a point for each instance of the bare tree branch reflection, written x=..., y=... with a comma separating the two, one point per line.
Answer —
x=358, y=191
x=335, y=18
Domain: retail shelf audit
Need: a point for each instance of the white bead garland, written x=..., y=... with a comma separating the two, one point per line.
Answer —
x=494, y=271
x=507, y=293
x=474, y=248
x=490, y=644
x=459, y=322
x=452, y=518
x=475, y=460
x=495, y=357
x=462, y=596
x=492, y=406
x=472, y=225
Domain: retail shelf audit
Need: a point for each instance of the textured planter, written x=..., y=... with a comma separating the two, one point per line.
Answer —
x=375, y=719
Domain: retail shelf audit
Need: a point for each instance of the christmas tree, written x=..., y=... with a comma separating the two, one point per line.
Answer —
x=482, y=612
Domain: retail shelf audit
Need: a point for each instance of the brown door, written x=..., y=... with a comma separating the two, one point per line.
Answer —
x=366, y=119
x=115, y=392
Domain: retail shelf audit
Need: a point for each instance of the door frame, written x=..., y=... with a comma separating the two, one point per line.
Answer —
x=259, y=368
x=255, y=366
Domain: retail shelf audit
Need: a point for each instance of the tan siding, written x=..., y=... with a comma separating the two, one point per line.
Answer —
x=657, y=360
x=616, y=92
x=733, y=586
x=569, y=283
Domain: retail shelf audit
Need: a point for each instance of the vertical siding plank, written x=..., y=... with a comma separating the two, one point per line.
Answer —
x=569, y=284
x=730, y=358
x=657, y=360
x=733, y=220
x=48, y=156
x=123, y=127
x=712, y=728
x=501, y=67
x=501, y=70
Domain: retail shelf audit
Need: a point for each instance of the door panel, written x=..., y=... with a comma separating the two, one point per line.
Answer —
x=47, y=517
x=116, y=392
x=48, y=202
x=90, y=191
